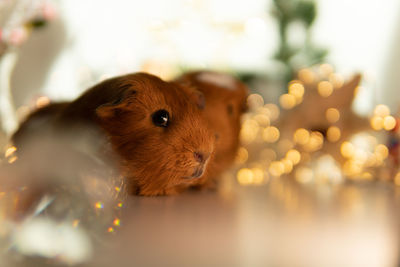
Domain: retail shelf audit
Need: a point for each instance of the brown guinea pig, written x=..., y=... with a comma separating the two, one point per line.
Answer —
x=156, y=128
x=225, y=102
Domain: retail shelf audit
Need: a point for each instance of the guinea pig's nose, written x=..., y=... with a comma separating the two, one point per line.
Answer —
x=200, y=157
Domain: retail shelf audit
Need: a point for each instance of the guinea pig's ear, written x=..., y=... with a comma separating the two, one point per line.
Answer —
x=199, y=99
x=196, y=95
x=117, y=105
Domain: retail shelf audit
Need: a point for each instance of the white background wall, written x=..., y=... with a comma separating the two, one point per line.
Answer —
x=104, y=38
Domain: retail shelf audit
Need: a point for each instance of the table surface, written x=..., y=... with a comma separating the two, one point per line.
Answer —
x=281, y=223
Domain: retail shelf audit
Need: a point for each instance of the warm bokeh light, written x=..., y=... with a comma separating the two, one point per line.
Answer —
x=304, y=175
x=347, y=149
x=382, y=111
x=397, y=179
x=287, y=165
x=294, y=156
x=273, y=111
x=389, y=122
x=99, y=205
x=245, y=176
x=258, y=176
x=332, y=115
x=325, y=88
x=326, y=69
x=10, y=151
x=262, y=119
x=255, y=101
x=249, y=131
x=75, y=223
x=287, y=101
x=117, y=222
x=376, y=123
x=306, y=75
x=333, y=134
x=242, y=155
x=301, y=136
x=296, y=89
x=12, y=159
x=336, y=80
x=271, y=134
x=381, y=151
x=352, y=168
x=276, y=168
x=42, y=101
x=315, y=142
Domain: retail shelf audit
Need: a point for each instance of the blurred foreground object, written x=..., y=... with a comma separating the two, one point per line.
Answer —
x=56, y=203
x=18, y=18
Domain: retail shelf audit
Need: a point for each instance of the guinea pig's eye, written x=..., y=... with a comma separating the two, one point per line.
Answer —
x=160, y=118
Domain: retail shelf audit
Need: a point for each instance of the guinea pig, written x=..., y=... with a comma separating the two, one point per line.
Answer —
x=225, y=102
x=156, y=129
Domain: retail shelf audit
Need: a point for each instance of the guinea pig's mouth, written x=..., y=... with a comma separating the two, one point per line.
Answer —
x=198, y=172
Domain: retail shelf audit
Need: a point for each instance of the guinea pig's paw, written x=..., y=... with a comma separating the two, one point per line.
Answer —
x=207, y=184
x=159, y=192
